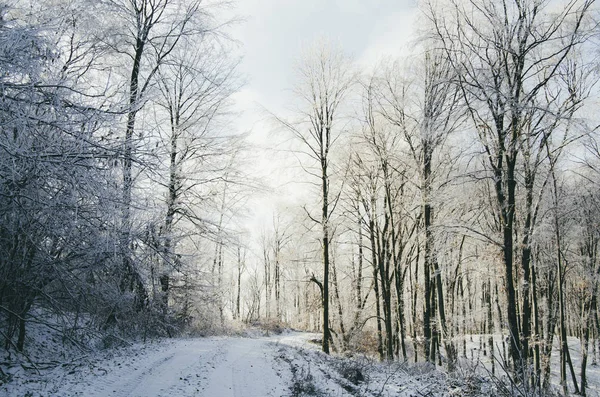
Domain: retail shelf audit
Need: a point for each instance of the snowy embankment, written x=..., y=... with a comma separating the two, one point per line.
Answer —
x=478, y=356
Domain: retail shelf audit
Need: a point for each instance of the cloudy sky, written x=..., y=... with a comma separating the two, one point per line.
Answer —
x=276, y=31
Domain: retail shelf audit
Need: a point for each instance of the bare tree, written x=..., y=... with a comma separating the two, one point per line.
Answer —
x=325, y=79
x=196, y=82
x=425, y=112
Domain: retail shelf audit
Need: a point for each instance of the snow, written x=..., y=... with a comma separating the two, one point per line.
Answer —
x=175, y=370
x=278, y=365
x=183, y=367
x=484, y=360
x=315, y=373
x=246, y=367
x=256, y=365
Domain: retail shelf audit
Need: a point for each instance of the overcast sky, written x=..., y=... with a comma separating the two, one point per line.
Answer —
x=276, y=31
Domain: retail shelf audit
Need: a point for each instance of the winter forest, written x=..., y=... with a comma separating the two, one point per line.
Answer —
x=444, y=197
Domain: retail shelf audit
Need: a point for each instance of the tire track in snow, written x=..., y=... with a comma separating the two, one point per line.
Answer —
x=128, y=382
x=178, y=368
x=248, y=369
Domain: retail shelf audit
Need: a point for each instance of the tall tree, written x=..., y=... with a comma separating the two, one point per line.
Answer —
x=325, y=76
x=195, y=82
x=424, y=114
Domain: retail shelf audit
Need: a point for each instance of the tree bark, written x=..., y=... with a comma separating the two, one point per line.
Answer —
x=325, y=228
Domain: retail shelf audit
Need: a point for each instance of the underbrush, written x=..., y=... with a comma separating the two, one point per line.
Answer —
x=360, y=375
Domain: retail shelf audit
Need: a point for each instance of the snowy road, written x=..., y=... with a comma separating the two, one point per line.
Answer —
x=276, y=366
x=247, y=368
x=199, y=367
x=232, y=367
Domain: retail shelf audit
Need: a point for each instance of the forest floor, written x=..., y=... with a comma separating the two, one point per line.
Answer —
x=256, y=365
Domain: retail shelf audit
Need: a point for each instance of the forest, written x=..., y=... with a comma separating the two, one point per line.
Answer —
x=447, y=193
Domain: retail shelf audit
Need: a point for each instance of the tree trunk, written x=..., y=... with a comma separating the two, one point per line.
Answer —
x=564, y=348
x=427, y=290
x=414, y=296
x=490, y=324
x=336, y=291
x=536, y=330
x=129, y=281
x=507, y=205
x=376, y=285
x=585, y=336
x=385, y=284
x=239, y=285
x=400, y=311
x=325, y=226
x=277, y=281
x=526, y=264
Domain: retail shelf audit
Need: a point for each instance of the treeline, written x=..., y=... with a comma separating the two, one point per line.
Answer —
x=455, y=193
x=113, y=162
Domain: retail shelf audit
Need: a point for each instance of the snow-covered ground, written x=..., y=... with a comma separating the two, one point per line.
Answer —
x=479, y=356
x=280, y=365
x=181, y=367
x=254, y=366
